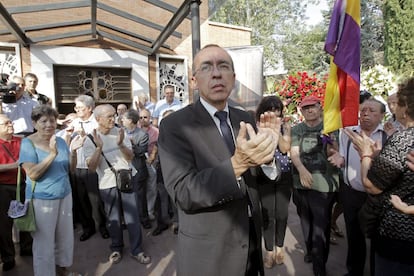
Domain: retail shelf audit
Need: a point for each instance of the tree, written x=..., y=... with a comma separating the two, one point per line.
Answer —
x=270, y=21
x=304, y=50
x=399, y=35
x=279, y=26
x=372, y=33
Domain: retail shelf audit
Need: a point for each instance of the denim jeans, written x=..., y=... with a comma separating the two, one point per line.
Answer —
x=113, y=199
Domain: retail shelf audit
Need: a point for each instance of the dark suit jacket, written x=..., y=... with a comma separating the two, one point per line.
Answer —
x=139, y=142
x=198, y=175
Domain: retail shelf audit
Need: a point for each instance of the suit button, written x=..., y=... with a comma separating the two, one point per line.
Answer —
x=244, y=246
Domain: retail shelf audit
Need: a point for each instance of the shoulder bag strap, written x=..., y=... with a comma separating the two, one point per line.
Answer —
x=18, y=183
x=19, y=177
x=112, y=169
x=8, y=152
x=18, y=173
x=33, y=182
x=109, y=164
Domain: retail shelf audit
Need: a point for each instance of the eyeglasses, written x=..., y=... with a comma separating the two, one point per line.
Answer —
x=207, y=68
x=6, y=123
x=143, y=117
x=79, y=108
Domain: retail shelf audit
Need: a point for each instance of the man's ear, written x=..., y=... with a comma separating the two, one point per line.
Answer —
x=194, y=83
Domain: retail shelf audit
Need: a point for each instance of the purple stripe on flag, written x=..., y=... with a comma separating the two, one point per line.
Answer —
x=334, y=26
x=347, y=56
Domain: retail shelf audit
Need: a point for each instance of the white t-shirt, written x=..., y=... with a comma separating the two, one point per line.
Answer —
x=113, y=154
x=88, y=125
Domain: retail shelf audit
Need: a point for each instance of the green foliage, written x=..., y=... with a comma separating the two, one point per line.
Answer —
x=303, y=51
x=279, y=26
x=372, y=33
x=399, y=35
x=271, y=22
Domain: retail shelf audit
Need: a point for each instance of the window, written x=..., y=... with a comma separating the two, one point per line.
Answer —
x=106, y=85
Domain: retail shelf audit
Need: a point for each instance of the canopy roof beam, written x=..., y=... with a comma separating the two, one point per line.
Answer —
x=13, y=27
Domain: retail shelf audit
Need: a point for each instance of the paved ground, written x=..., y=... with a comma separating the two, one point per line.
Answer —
x=91, y=256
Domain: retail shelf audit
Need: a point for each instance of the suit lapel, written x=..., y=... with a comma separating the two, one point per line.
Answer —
x=235, y=122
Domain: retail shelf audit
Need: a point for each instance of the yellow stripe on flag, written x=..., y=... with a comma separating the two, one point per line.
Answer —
x=353, y=8
x=332, y=111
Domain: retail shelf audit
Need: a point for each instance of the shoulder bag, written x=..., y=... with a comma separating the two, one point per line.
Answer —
x=123, y=176
x=23, y=213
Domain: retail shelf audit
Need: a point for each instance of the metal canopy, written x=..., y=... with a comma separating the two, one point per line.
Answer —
x=98, y=21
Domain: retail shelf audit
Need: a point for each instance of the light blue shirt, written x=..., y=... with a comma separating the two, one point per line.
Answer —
x=20, y=113
x=163, y=106
x=54, y=183
x=149, y=106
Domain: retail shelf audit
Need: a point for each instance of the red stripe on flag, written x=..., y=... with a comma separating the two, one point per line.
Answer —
x=349, y=98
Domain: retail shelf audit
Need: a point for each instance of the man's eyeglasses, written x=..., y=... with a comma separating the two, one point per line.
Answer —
x=207, y=68
x=143, y=117
x=6, y=123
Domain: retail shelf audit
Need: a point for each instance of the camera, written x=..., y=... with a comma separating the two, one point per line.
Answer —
x=5, y=93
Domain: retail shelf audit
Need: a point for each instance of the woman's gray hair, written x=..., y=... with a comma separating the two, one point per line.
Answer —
x=88, y=101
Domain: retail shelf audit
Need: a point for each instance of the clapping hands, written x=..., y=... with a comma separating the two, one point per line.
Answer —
x=363, y=144
x=52, y=144
x=77, y=142
x=97, y=139
x=260, y=147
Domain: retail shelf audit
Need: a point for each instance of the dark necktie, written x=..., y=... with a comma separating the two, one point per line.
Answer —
x=225, y=130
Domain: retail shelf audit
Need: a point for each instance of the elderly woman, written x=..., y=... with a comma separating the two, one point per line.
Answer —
x=275, y=194
x=46, y=159
x=387, y=173
x=9, y=154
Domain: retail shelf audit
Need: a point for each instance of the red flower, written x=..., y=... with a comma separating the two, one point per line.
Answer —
x=294, y=87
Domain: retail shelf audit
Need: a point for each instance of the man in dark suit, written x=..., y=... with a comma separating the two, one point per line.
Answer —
x=139, y=140
x=215, y=189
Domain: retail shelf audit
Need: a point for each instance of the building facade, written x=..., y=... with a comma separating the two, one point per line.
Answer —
x=105, y=48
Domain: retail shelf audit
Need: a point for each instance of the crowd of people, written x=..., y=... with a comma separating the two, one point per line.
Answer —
x=66, y=175
x=221, y=178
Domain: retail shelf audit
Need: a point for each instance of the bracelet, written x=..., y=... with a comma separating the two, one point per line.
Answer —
x=366, y=155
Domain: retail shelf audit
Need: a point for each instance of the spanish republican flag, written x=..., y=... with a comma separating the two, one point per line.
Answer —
x=343, y=44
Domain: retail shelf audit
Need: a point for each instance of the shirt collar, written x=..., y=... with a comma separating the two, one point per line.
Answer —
x=379, y=127
x=211, y=109
x=90, y=119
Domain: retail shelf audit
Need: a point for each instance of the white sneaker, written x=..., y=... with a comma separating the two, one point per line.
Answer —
x=142, y=258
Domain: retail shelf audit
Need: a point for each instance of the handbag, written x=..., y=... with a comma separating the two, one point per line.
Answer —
x=123, y=176
x=124, y=180
x=23, y=213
